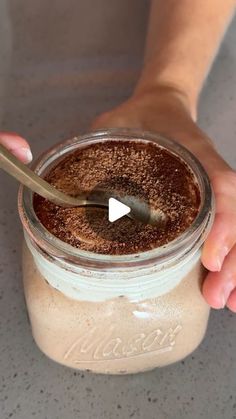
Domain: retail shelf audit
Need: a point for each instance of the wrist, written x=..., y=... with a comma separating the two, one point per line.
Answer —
x=167, y=110
x=167, y=91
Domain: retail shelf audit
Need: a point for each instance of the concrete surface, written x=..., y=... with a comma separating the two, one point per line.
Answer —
x=61, y=63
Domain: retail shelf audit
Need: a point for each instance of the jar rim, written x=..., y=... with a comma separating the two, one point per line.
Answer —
x=189, y=241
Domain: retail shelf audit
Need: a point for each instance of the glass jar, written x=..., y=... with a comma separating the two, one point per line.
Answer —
x=115, y=314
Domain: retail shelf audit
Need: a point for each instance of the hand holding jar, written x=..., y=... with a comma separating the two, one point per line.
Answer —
x=166, y=110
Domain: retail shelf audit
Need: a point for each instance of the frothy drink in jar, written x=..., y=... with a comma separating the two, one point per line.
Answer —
x=118, y=297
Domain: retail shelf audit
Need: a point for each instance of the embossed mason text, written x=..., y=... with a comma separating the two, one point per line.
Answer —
x=92, y=347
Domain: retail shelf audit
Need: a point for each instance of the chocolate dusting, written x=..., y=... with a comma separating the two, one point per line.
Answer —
x=133, y=168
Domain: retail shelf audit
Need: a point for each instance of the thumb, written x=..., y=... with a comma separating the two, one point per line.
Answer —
x=17, y=145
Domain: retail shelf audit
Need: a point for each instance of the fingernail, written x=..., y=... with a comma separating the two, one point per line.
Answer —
x=223, y=301
x=222, y=252
x=228, y=288
x=28, y=155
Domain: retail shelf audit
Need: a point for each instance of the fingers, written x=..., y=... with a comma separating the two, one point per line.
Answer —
x=17, y=145
x=220, y=241
x=219, y=251
x=219, y=287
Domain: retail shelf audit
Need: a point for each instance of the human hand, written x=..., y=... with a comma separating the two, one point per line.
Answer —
x=166, y=111
x=17, y=145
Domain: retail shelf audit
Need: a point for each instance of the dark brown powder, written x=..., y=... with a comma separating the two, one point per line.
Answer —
x=133, y=168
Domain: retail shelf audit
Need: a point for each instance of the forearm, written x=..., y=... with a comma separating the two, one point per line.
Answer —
x=183, y=38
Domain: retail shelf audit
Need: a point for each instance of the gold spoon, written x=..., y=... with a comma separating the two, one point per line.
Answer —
x=139, y=210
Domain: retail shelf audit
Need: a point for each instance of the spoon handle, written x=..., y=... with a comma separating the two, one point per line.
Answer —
x=23, y=174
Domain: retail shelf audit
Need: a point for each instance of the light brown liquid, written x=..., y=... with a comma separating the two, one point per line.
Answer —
x=116, y=336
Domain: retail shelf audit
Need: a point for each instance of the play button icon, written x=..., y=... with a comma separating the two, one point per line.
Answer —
x=117, y=210
x=109, y=223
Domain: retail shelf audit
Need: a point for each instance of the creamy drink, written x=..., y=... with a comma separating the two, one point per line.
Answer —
x=118, y=297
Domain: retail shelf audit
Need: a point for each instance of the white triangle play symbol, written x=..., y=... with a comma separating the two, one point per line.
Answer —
x=117, y=210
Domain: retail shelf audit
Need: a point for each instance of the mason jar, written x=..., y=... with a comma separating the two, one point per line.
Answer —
x=115, y=314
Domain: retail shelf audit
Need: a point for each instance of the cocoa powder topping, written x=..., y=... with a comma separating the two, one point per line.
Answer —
x=142, y=169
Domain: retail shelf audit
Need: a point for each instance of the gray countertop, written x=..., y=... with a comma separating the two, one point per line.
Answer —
x=59, y=67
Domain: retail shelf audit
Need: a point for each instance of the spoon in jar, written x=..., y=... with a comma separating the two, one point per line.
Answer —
x=139, y=210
